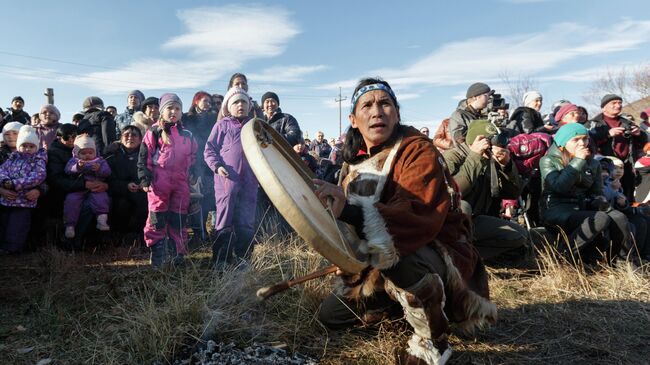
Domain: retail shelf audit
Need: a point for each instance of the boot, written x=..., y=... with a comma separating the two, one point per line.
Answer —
x=223, y=247
x=69, y=232
x=423, y=305
x=102, y=222
x=158, y=254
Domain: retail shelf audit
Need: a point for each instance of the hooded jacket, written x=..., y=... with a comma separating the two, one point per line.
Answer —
x=25, y=172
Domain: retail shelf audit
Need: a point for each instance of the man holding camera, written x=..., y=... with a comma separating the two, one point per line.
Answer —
x=477, y=98
x=617, y=136
x=486, y=174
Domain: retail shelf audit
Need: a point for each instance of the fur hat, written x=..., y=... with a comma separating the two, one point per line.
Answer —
x=233, y=95
x=92, y=102
x=27, y=134
x=83, y=142
x=141, y=121
x=531, y=96
x=168, y=98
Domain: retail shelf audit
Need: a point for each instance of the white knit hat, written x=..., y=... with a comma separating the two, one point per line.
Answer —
x=234, y=94
x=12, y=126
x=531, y=96
x=83, y=141
x=27, y=134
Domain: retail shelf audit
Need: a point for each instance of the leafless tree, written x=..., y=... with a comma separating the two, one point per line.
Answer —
x=629, y=83
x=641, y=81
x=517, y=87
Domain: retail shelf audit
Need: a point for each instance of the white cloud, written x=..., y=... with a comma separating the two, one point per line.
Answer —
x=485, y=58
x=217, y=42
x=285, y=73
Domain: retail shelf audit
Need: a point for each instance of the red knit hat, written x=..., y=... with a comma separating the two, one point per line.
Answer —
x=645, y=114
x=564, y=110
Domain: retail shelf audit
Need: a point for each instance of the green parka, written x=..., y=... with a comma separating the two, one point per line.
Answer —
x=567, y=189
x=472, y=174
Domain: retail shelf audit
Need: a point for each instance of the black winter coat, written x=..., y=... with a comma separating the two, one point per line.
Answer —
x=58, y=181
x=99, y=125
x=124, y=169
x=287, y=126
x=526, y=120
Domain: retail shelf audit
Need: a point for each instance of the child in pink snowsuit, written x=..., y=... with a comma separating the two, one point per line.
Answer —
x=235, y=185
x=166, y=155
x=85, y=164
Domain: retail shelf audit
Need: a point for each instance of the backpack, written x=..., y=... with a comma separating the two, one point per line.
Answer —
x=527, y=149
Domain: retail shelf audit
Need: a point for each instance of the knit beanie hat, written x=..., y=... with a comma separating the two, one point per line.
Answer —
x=480, y=127
x=231, y=97
x=564, y=110
x=52, y=109
x=20, y=98
x=12, y=126
x=272, y=95
x=169, y=98
x=477, y=89
x=609, y=97
x=92, y=102
x=138, y=94
x=27, y=134
x=645, y=115
x=531, y=96
x=568, y=131
x=149, y=101
x=82, y=142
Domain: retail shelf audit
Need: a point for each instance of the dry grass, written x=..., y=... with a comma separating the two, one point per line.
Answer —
x=108, y=307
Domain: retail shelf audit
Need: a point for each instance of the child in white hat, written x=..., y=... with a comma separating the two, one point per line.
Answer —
x=20, y=176
x=87, y=165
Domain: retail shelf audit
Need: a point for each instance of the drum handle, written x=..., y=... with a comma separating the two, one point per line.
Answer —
x=347, y=247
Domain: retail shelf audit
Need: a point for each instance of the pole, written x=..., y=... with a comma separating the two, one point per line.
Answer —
x=339, y=100
x=49, y=92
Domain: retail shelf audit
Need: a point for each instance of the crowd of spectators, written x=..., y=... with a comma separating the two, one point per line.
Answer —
x=151, y=172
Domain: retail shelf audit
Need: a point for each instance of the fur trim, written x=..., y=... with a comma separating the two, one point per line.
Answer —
x=425, y=350
x=382, y=253
x=358, y=286
x=479, y=311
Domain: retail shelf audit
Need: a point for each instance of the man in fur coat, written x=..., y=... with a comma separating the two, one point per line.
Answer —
x=398, y=196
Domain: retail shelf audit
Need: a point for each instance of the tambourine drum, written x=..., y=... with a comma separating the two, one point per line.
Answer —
x=288, y=183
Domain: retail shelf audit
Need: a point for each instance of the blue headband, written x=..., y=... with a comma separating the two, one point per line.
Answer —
x=367, y=88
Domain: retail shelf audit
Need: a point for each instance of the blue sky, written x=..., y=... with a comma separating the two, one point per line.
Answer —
x=304, y=50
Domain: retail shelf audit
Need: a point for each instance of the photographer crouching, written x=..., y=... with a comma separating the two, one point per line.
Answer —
x=617, y=136
x=486, y=174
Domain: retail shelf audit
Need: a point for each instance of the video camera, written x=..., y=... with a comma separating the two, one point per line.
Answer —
x=495, y=104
